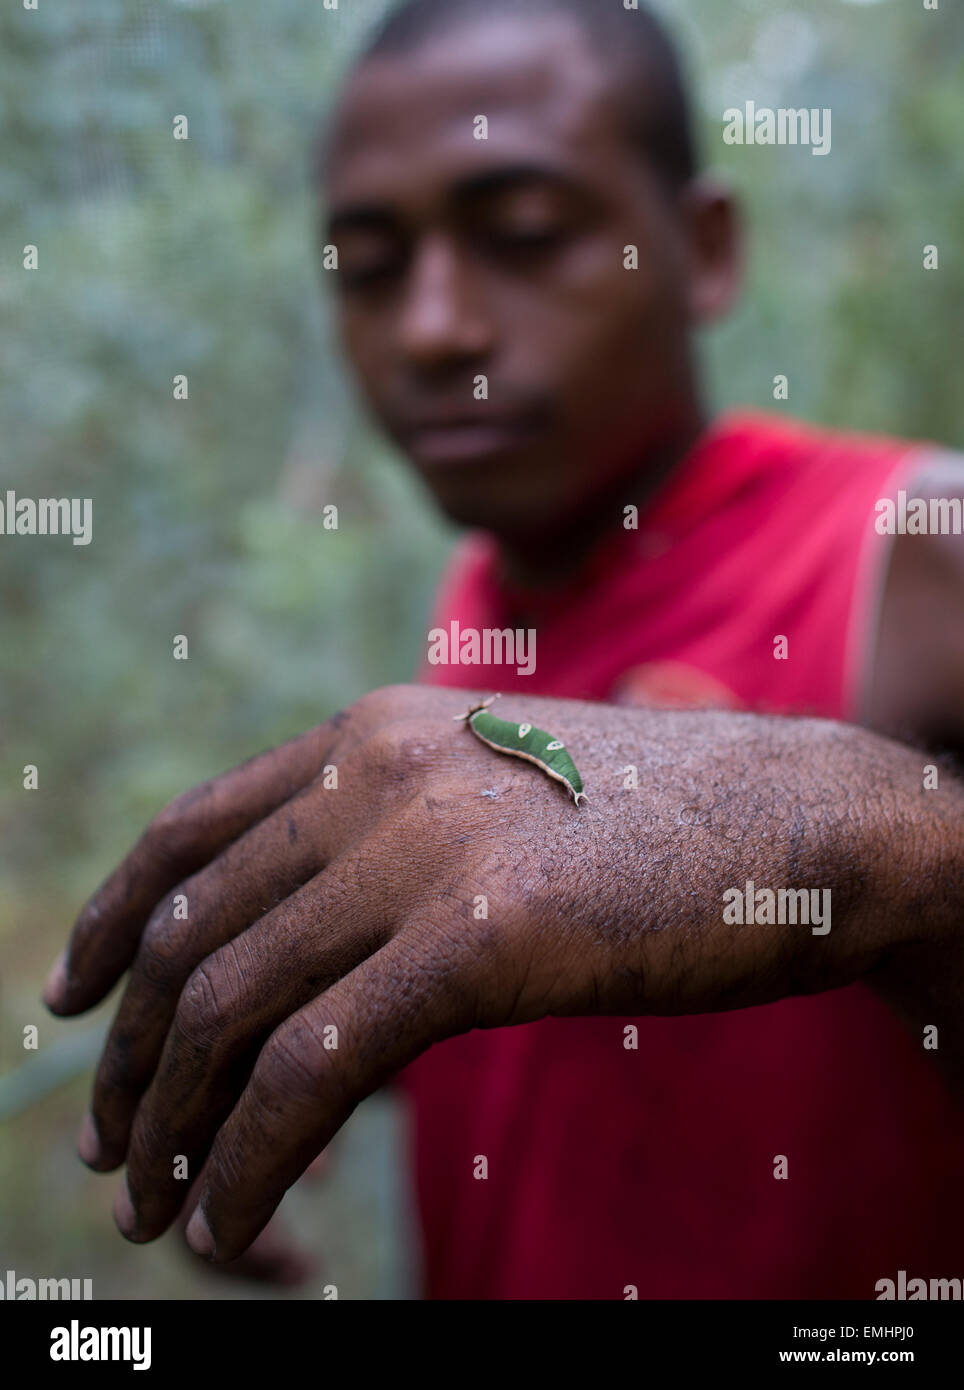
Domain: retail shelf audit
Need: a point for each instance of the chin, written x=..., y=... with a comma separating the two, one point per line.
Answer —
x=511, y=512
x=509, y=496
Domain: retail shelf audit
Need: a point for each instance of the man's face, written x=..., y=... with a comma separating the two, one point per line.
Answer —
x=503, y=257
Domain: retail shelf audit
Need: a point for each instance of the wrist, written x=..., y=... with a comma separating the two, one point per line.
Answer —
x=914, y=837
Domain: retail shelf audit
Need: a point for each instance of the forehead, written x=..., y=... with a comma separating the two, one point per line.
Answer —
x=410, y=117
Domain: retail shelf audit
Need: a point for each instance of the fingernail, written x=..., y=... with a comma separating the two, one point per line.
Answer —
x=124, y=1213
x=55, y=990
x=198, y=1235
x=88, y=1141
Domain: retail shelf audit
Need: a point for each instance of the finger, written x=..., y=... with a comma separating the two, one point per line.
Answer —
x=183, y=838
x=387, y=1011
x=274, y=1258
x=250, y=878
x=227, y=1010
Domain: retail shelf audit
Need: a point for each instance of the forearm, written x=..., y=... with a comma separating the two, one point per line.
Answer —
x=725, y=801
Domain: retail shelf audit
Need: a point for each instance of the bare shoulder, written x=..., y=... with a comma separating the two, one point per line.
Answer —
x=916, y=680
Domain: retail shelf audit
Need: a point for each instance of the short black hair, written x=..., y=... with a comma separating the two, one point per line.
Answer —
x=633, y=41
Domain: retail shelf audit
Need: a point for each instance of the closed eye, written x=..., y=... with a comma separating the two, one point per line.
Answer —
x=524, y=241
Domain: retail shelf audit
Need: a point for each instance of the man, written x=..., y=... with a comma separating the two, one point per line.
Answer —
x=399, y=915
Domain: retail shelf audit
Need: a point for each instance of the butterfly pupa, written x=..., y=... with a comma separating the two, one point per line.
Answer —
x=526, y=741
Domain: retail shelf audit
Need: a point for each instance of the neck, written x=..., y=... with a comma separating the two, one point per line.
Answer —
x=546, y=561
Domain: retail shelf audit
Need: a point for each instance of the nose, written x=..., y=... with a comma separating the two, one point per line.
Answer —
x=442, y=318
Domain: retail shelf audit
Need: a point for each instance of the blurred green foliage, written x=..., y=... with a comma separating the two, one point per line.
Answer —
x=160, y=257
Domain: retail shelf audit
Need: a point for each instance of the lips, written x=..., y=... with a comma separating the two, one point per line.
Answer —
x=466, y=438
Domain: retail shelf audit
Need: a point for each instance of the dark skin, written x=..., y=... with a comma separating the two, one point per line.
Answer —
x=312, y=907
x=504, y=257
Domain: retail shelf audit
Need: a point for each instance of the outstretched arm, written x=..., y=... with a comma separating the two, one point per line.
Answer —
x=303, y=927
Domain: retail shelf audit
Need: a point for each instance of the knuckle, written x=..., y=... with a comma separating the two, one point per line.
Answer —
x=294, y=1066
x=382, y=699
x=204, y=1006
x=168, y=836
x=441, y=967
x=387, y=705
x=161, y=956
x=371, y=709
x=172, y=835
x=381, y=748
x=398, y=753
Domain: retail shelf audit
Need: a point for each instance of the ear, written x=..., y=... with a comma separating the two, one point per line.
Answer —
x=715, y=247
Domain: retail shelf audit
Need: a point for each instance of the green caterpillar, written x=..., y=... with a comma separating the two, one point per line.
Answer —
x=525, y=741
